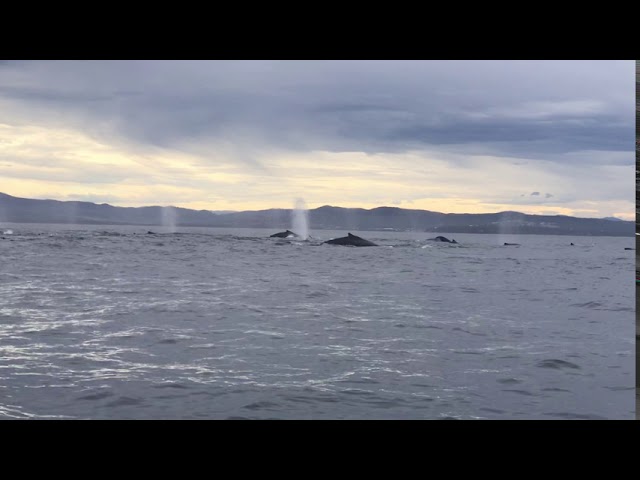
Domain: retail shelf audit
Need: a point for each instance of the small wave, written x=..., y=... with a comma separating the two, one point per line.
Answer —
x=124, y=402
x=204, y=346
x=557, y=364
x=317, y=294
x=365, y=381
x=261, y=406
x=619, y=309
x=326, y=398
x=509, y=381
x=587, y=305
x=458, y=329
x=96, y=396
x=492, y=410
x=554, y=389
x=171, y=385
x=575, y=416
x=469, y=289
x=356, y=392
x=521, y=392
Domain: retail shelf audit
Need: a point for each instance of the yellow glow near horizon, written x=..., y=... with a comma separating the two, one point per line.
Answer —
x=38, y=162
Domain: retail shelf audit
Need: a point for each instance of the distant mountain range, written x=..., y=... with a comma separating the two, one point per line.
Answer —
x=24, y=210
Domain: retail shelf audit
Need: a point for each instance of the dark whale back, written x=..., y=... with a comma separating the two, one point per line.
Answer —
x=351, y=240
x=440, y=238
x=286, y=234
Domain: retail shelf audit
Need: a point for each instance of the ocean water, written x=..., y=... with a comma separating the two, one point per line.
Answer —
x=112, y=322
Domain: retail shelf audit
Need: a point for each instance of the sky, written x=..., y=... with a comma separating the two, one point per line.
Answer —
x=539, y=137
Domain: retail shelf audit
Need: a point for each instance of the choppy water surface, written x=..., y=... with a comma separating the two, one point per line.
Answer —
x=107, y=322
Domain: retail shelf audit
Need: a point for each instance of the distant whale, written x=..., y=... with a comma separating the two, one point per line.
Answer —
x=286, y=234
x=629, y=248
x=511, y=243
x=351, y=240
x=440, y=238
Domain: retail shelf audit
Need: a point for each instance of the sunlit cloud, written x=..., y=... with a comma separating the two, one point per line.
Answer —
x=454, y=137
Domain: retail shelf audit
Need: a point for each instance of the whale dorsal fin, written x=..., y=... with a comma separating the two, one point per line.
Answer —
x=351, y=235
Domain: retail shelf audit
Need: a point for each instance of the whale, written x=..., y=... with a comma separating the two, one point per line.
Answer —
x=440, y=238
x=351, y=240
x=286, y=234
x=507, y=244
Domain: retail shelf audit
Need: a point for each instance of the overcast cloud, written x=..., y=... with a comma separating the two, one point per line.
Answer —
x=440, y=135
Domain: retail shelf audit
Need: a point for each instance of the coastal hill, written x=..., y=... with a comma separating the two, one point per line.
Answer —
x=24, y=210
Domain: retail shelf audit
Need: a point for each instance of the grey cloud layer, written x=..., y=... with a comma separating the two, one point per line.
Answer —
x=526, y=109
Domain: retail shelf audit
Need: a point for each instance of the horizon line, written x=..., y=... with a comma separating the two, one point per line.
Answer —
x=227, y=212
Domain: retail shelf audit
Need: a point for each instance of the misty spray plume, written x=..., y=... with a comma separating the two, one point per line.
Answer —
x=300, y=219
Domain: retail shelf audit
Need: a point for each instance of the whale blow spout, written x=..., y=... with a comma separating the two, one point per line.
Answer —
x=300, y=219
